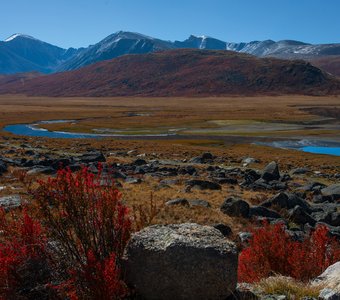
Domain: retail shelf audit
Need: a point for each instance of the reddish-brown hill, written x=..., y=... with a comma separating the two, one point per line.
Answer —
x=330, y=64
x=17, y=78
x=183, y=73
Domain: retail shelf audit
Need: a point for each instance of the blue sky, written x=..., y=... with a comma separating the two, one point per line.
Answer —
x=79, y=23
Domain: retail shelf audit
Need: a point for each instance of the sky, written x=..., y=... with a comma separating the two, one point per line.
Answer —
x=79, y=23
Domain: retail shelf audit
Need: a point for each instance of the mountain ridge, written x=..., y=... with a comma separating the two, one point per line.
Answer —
x=23, y=53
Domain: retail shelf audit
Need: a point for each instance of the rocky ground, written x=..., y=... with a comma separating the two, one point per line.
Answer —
x=230, y=193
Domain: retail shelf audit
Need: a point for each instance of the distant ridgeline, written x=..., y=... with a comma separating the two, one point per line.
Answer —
x=22, y=53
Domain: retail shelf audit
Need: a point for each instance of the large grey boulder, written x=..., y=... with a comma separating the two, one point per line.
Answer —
x=235, y=207
x=288, y=201
x=330, y=278
x=332, y=191
x=271, y=172
x=10, y=202
x=184, y=261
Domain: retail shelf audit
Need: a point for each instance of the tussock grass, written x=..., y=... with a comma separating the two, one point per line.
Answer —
x=294, y=290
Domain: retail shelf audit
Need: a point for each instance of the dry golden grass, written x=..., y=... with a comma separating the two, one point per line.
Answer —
x=112, y=113
x=292, y=289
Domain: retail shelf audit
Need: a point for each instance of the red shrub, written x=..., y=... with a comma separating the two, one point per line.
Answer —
x=22, y=250
x=85, y=215
x=272, y=251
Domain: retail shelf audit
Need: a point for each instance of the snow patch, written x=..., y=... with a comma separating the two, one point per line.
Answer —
x=14, y=36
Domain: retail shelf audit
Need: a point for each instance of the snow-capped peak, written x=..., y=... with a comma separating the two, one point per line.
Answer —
x=14, y=36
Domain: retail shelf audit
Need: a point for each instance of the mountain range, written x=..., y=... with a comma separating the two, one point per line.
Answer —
x=22, y=53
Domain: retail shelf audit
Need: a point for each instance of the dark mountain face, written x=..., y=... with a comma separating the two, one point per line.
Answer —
x=201, y=42
x=184, y=72
x=21, y=53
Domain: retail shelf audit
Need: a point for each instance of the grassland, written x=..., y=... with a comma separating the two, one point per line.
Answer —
x=194, y=113
x=254, y=116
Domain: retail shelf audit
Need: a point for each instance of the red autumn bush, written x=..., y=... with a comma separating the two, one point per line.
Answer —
x=272, y=251
x=85, y=216
x=23, y=257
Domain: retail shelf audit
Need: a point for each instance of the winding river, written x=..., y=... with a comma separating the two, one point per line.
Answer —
x=318, y=147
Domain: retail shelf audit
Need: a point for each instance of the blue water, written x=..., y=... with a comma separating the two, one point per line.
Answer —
x=28, y=130
x=33, y=130
x=322, y=150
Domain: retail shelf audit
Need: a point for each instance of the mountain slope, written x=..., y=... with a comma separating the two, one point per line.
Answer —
x=183, y=73
x=201, y=42
x=23, y=53
x=330, y=64
x=117, y=44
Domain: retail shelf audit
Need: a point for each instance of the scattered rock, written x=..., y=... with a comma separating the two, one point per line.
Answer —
x=260, y=211
x=235, y=207
x=271, y=172
x=139, y=162
x=332, y=191
x=92, y=157
x=224, y=229
x=299, y=171
x=198, y=202
x=3, y=167
x=329, y=294
x=249, y=160
x=184, y=261
x=178, y=201
x=132, y=180
x=288, y=201
x=43, y=170
x=299, y=216
x=245, y=237
x=10, y=202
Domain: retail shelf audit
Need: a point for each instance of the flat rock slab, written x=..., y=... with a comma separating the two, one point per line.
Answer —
x=183, y=261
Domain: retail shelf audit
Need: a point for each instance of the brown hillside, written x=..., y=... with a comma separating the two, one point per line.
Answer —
x=330, y=64
x=183, y=73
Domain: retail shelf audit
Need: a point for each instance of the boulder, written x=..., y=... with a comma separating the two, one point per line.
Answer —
x=92, y=157
x=133, y=180
x=178, y=201
x=10, y=202
x=299, y=216
x=139, y=162
x=235, y=207
x=332, y=191
x=183, y=261
x=299, y=171
x=199, y=202
x=3, y=167
x=287, y=200
x=271, y=172
x=224, y=229
x=260, y=211
x=329, y=294
x=330, y=278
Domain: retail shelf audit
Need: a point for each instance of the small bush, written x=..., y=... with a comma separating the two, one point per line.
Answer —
x=23, y=257
x=84, y=215
x=272, y=251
